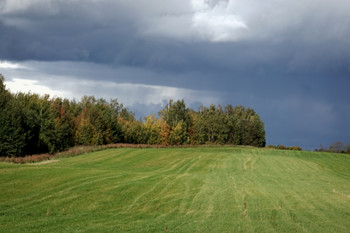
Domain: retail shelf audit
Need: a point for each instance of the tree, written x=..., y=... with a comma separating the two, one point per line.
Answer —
x=48, y=133
x=178, y=136
x=245, y=126
x=210, y=125
x=165, y=133
x=84, y=131
x=133, y=131
x=12, y=135
x=337, y=147
x=64, y=123
x=153, y=128
x=174, y=112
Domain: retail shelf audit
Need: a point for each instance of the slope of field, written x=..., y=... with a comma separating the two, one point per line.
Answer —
x=206, y=189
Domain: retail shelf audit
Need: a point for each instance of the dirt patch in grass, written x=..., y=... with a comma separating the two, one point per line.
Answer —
x=44, y=162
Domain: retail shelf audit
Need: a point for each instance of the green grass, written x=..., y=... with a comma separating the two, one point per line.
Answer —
x=206, y=189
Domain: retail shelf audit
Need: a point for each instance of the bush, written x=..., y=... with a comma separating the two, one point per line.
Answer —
x=27, y=159
x=295, y=148
x=282, y=147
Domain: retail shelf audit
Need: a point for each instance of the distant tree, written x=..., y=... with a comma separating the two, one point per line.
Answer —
x=177, y=117
x=153, y=128
x=348, y=148
x=48, y=126
x=64, y=123
x=214, y=124
x=127, y=115
x=174, y=112
x=198, y=130
x=336, y=147
x=84, y=130
x=178, y=136
x=165, y=133
x=219, y=125
x=29, y=105
x=245, y=126
x=12, y=134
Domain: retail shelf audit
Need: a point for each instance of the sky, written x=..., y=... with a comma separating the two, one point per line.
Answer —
x=288, y=60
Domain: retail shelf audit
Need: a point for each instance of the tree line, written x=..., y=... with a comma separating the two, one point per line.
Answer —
x=336, y=147
x=32, y=124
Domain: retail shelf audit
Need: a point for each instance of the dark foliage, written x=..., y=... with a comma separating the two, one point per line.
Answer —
x=282, y=147
x=33, y=124
x=337, y=147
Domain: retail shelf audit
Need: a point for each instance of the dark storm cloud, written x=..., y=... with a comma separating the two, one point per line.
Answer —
x=113, y=32
x=290, y=61
x=68, y=34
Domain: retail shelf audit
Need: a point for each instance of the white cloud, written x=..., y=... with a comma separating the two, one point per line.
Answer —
x=33, y=86
x=216, y=22
x=201, y=20
x=11, y=65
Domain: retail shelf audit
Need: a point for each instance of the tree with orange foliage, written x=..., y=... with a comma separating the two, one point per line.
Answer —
x=165, y=133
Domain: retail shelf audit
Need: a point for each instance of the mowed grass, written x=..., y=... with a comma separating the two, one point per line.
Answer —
x=205, y=189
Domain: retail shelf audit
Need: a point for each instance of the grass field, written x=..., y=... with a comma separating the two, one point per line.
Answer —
x=205, y=189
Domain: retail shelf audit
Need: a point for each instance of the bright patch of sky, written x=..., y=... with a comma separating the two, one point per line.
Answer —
x=37, y=80
x=10, y=65
x=214, y=21
x=31, y=86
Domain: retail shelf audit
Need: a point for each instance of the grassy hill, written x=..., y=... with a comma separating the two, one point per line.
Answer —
x=206, y=189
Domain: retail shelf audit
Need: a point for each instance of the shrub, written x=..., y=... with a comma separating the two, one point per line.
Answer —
x=295, y=148
x=282, y=147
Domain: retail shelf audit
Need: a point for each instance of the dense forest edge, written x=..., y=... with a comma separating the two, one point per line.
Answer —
x=33, y=124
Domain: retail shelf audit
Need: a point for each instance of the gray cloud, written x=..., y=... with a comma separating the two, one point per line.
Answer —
x=103, y=30
x=288, y=38
x=288, y=60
